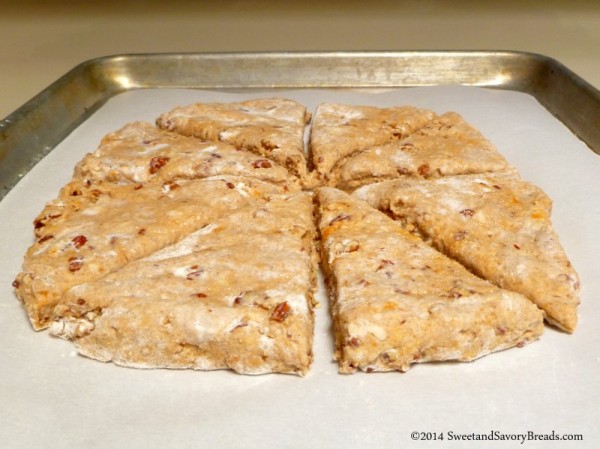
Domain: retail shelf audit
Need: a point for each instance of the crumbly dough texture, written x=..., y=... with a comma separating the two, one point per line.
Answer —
x=339, y=130
x=272, y=128
x=444, y=146
x=139, y=152
x=496, y=225
x=397, y=301
x=220, y=298
x=191, y=244
x=93, y=229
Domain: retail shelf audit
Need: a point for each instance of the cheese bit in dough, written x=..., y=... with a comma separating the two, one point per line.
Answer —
x=91, y=230
x=272, y=128
x=396, y=301
x=446, y=145
x=339, y=130
x=220, y=298
x=498, y=226
x=139, y=152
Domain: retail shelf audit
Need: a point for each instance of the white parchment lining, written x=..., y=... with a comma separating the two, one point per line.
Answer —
x=50, y=397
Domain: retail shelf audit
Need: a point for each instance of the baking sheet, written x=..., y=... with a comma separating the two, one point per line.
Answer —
x=53, y=398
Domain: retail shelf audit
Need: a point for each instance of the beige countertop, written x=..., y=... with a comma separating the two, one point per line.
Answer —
x=43, y=40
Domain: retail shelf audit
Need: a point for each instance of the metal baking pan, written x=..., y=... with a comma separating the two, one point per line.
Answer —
x=71, y=402
x=34, y=129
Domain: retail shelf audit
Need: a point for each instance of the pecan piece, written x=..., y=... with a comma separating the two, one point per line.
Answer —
x=41, y=222
x=354, y=342
x=341, y=217
x=454, y=294
x=467, y=212
x=261, y=163
x=281, y=311
x=16, y=283
x=269, y=146
x=157, y=162
x=45, y=238
x=75, y=264
x=423, y=170
x=79, y=241
x=384, y=263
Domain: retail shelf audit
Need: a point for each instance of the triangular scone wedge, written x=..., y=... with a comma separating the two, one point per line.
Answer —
x=139, y=152
x=446, y=145
x=338, y=130
x=498, y=226
x=271, y=127
x=94, y=229
x=220, y=298
x=397, y=301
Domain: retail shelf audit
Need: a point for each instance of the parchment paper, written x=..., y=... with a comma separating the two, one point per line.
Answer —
x=51, y=397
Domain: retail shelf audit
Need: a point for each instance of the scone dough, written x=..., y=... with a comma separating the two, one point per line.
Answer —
x=272, y=128
x=191, y=244
x=445, y=146
x=339, y=130
x=93, y=229
x=397, y=301
x=220, y=298
x=140, y=152
x=496, y=225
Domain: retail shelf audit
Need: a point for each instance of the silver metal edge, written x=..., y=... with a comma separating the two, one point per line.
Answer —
x=33, y=130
